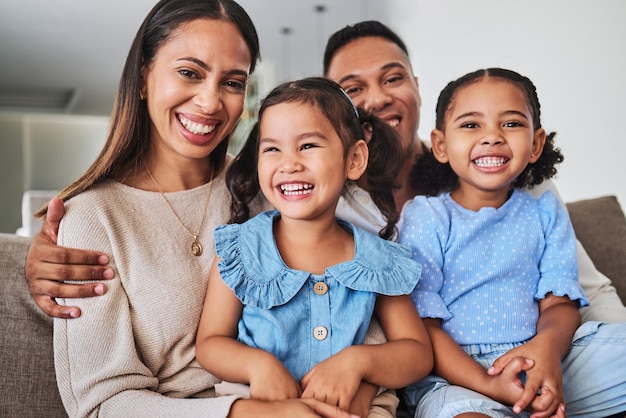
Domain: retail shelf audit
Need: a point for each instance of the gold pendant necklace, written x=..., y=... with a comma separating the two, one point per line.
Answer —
x=196, y=247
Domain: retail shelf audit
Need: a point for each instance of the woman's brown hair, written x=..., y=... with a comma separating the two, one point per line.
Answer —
x=128, y=139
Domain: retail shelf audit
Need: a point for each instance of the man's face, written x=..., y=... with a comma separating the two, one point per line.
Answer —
x=377, y=75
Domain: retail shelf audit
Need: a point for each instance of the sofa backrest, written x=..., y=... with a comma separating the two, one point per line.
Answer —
x=28, y=386
x=27, y=378
x=600, y=227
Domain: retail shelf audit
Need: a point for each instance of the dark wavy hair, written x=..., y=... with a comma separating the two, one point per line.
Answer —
x=327, y=96
x=434, y=177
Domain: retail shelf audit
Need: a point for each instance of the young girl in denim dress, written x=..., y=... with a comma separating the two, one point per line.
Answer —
x=499, y=291
x=290, y=300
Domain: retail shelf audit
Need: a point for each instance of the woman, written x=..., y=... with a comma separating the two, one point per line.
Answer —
x=156, y=192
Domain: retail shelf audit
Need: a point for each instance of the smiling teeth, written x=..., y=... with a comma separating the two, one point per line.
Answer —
x=196, y=128
x=394, y=122
x=295, y=189
x=490, y=161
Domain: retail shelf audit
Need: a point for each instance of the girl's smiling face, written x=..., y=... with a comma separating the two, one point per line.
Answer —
x=302, y=166
x=195, y=88
x=488, y=139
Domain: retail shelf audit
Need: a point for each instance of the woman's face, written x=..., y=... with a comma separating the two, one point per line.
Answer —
x=195, y=89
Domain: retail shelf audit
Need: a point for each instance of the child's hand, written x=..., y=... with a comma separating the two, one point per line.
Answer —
x=334, y=380
x=543, y=389
x=362, y=401
x=559, y=413
x=505, y=384
x=271, y=381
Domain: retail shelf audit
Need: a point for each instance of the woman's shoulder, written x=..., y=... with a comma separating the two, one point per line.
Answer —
x=98, y=196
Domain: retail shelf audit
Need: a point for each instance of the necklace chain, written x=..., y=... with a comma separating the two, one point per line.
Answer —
x=196, y=247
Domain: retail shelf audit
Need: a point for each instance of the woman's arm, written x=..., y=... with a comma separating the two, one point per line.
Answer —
x=136, y=342
x=48, y=265
x=219, y=352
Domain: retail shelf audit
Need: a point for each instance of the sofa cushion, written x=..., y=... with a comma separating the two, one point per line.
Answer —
x=600, y=227
x=28, y=387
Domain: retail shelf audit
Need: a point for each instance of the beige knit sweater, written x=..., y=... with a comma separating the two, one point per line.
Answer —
x=132, y=352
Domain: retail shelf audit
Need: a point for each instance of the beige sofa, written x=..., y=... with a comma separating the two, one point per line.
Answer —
x=28, y=388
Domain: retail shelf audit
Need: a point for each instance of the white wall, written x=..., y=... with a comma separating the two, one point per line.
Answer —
x=43, y=152
x=573, y=50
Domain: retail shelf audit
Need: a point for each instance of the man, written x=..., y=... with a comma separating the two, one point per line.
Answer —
x=372, y=64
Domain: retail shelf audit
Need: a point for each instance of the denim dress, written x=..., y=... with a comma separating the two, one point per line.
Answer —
x=299, y=317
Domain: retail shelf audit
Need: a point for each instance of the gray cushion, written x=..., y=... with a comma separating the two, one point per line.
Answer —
x=601, y=228
x=28, y=387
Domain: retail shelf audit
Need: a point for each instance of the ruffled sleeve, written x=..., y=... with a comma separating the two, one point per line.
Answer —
x=425, y=228
x=242, y=248
x=558, y=266
x=379, y=266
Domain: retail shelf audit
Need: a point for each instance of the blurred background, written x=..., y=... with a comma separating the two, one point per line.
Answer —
x=60, y=63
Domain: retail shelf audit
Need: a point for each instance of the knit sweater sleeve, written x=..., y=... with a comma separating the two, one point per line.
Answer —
x=100, y=370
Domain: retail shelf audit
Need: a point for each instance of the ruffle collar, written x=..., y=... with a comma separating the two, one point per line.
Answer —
x=251, y=265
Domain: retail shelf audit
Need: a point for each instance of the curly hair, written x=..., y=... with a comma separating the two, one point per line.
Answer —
x=434, y=177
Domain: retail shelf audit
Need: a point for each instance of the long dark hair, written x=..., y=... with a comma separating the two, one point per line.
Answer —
x=327, y=96
x=434, y=178
x=128, y=139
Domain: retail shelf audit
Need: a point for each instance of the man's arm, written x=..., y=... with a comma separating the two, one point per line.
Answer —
x=606, y=305
x=49, y=265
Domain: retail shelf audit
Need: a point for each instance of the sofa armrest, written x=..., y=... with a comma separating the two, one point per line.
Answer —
x=600, y=227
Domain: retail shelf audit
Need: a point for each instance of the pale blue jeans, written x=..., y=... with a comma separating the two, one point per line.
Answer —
x=594, y=379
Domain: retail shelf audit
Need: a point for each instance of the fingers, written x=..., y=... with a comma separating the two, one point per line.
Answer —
x=53, y=309
x=44, y=292
x=542, y=401
x=503, y=362
x=325, y=410
x=516, y=364
x=529, y=393
x=56, y=289
x=48, y=265
x=42, y=250
x=55, y=212
x=36, y=269
x=560, y=411
x=49, y=262
x=547, y=405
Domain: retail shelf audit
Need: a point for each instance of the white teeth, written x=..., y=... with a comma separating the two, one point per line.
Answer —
x=294, y=189
x=393, y=123
x=490, y=161
x=196, y=128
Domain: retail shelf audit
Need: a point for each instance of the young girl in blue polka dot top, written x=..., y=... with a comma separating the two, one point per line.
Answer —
x=291, y=298
x=499, y=291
